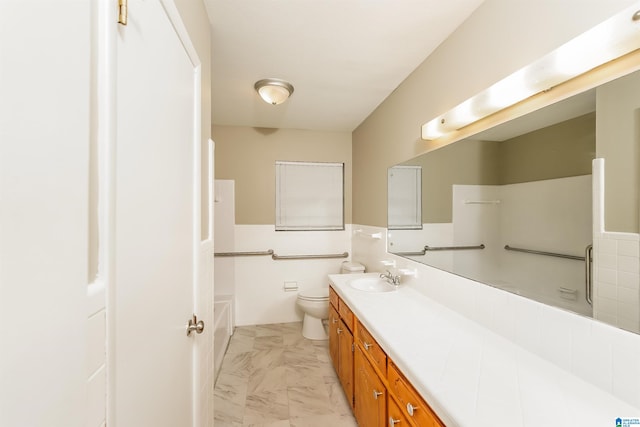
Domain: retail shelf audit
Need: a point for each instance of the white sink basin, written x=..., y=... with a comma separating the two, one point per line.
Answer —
x=371, y=284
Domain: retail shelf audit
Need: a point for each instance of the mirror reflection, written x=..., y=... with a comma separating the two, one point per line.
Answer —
x=510, y=207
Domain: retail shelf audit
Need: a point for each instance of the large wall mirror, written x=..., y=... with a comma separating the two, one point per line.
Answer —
x=511, y=206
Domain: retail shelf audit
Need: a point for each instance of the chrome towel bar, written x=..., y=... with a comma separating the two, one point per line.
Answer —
x=452, y=248
x=553, y=254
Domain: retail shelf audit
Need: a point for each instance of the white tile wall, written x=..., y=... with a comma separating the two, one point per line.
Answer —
x=260, y=297
x=616, y=288
x=601, y=354
x=616, y=266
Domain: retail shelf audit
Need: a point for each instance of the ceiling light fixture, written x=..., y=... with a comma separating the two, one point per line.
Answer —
x=273, y=91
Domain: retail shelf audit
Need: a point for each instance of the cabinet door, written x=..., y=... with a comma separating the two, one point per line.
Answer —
x=396, y=417
x=370, y=394
x=345, y=373
x=334, y=345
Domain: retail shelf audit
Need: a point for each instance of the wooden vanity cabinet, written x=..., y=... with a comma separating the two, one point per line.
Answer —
x=334, y=344
x=346, y=363
x=378, y=392
x=371, y=348
x=395, y=415
x=370, y=393
x=412, y=405
x=341, y=343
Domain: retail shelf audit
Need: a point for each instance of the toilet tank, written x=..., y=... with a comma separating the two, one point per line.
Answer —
x=351, y=267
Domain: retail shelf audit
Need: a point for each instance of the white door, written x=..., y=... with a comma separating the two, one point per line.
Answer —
x=44, y=152
x=157, y=221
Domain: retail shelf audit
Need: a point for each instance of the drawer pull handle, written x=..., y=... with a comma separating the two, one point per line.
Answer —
x=367, y=346
x=376, y=394
x=334, y=320
x=339, y=330
x=393, y=422
x=411, y=409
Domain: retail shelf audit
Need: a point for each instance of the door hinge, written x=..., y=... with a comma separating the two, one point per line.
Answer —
x=122, y=12
x=353, y=347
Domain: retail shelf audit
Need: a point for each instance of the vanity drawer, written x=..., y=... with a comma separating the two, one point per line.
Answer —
x=396, y=416
x=412, y=405
x=333, y=298
x=370, y=346
x=346, y=314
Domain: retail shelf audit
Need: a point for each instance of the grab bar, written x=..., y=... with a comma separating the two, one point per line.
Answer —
x=452, y=248
x=588, y=276
x=422, y=252
x=553, y=254
x=286, y=257
x=267, y=252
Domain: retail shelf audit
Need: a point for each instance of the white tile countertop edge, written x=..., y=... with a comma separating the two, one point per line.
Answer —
x=469, y=375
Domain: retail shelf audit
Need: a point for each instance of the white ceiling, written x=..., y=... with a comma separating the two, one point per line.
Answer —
x=343, y=57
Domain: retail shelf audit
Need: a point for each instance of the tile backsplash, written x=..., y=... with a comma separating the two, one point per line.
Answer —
x=616, y=288
x=598, y=353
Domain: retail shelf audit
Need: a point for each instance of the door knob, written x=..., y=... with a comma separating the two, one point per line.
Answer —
x=195, y=325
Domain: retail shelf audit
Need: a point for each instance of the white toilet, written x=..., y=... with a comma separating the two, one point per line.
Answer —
x=315, y=305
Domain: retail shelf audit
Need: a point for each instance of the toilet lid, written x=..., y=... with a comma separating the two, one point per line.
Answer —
x=314, y=294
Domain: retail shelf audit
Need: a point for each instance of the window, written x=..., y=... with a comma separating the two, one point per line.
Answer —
x=309, y=196
x=405, y=198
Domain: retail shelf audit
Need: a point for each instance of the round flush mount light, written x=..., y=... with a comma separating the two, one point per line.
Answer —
x=274, y=91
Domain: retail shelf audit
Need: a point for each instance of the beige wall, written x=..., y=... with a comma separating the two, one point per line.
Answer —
x=558, y=151
x=470, y=162
x=618, y=134
x=247, y=155
x=561, y=150
x=498, y=39
x=194, y=16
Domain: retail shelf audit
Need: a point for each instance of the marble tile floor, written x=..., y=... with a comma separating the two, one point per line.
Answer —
x=272, y=376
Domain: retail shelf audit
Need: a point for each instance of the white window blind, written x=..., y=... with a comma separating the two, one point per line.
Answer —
x=309, y=196
x=405, y=198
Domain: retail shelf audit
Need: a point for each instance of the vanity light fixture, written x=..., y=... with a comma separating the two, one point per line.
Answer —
x=605, y=42
x=274, y=91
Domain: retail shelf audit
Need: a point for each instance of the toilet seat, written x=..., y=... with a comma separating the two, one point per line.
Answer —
x=314, y=294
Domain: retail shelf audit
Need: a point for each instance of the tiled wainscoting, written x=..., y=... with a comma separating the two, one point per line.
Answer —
x=616, y=298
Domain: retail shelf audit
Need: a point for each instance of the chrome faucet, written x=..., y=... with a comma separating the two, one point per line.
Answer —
x=394, y=280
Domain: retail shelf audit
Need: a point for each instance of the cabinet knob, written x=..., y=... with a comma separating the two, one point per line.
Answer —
x=334, y=320
x=393, y=422
x=411, y=409
x=367, y=346
x=339, y=330
x=377, y=393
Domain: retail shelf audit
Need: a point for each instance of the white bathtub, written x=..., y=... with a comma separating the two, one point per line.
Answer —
x=223, y=328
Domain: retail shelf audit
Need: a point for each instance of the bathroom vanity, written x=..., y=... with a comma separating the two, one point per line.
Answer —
x=412, y=357
x=374, y=386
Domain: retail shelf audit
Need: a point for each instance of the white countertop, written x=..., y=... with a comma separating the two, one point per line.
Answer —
x=469, y=375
